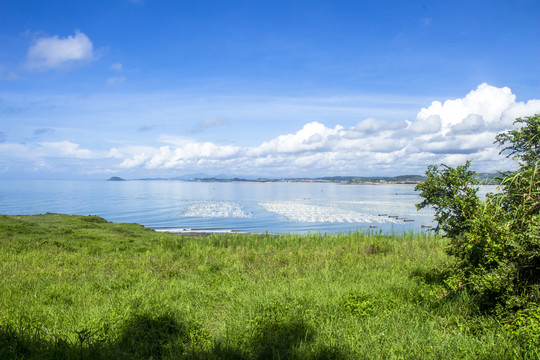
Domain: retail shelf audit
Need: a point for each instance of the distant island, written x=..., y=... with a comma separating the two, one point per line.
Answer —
x=115, y=178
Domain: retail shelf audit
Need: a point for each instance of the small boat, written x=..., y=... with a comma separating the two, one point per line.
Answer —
x=408, y=220
x=382, y=215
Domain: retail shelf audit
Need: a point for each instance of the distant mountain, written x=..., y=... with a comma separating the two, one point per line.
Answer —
x=401, y=179
x=483, y=178
x=115, y=178
x=190, y=176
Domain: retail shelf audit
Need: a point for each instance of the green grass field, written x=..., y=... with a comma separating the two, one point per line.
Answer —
x=78, y=287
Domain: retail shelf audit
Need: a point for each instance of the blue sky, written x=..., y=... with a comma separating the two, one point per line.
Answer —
x=91, y=89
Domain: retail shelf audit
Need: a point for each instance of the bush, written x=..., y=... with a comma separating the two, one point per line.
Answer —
x=496, y=241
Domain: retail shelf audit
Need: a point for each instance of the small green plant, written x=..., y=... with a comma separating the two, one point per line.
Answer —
x=524, y=324
x=359, y=304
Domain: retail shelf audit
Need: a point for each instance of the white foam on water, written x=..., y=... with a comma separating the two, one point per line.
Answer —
x=300, y=212
x=216, y=209
x=389, y=207
x=184, y=230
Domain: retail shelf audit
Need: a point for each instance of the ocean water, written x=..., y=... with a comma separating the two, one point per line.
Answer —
x=241, y=206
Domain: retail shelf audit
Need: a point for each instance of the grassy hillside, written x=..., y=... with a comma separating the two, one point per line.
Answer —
x=80, y=287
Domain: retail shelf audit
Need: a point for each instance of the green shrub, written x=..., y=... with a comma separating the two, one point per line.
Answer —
x=496, y=241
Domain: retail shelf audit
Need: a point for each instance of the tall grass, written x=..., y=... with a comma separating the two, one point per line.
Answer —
x=79, y=287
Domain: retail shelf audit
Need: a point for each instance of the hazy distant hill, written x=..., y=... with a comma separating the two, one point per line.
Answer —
x=484, y=178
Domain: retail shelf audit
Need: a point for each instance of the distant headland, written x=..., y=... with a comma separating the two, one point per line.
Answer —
x=483, y=178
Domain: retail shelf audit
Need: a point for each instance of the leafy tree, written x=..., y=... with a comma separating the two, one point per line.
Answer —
x=523, y=142
x=522, y=195
x=451, y=192
x=496, y=241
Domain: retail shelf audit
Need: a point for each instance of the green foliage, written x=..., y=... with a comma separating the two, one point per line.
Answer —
x=524, y=324
x=523, y=143
x=495, y=242
x=452, y=194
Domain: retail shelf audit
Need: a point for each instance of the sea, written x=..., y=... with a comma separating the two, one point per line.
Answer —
x=248, y=207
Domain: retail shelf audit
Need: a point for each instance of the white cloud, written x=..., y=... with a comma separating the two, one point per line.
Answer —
x=486, y=101
x=66, y=149
x=167, y=157
x=473, y=123
x=53, y=52
x=371, y=125
x=449, y=132
x=313, y=136
x=519, y=110
x=431, y=124
x=13, y=150
x=50, y=150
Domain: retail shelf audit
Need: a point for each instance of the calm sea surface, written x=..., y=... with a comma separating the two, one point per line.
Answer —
x=245, y=207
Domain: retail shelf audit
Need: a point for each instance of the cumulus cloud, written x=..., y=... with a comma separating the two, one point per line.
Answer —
x=431, y=124
x=54, y=52
x=487, y=102
x=167, y=157
x=314, y=136
x=450, y=131
x=473, y=123
x=371, y=126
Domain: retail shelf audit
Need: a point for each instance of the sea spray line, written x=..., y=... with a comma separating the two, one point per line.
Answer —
x=216, y=209
x=377, y=207
x=299, y=212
